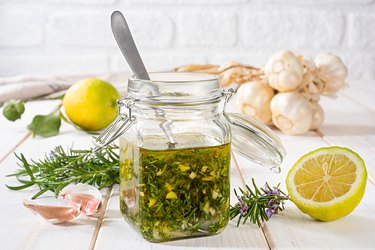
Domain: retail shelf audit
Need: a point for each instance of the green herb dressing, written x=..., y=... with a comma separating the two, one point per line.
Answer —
x=175, y=193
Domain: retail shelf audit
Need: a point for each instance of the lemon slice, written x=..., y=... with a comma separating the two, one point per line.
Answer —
x=327, y=183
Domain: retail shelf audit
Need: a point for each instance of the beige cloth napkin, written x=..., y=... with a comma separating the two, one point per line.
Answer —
x=26, y=87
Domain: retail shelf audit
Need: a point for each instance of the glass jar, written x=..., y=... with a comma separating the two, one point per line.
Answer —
x=175, y=151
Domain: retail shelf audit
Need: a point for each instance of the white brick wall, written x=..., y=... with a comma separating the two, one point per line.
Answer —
x=57, y=37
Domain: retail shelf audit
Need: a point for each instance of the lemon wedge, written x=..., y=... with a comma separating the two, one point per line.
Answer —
x=327, y=183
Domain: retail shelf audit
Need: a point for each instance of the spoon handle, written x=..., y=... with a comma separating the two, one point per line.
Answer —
x=125, y=41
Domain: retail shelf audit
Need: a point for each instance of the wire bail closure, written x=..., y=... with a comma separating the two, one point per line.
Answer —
x=227, y=94
x=122, y=123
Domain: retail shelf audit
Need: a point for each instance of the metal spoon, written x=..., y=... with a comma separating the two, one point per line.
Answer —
x=125, y=41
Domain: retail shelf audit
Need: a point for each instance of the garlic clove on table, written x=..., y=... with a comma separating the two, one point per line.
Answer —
x=284, y=71
x=291, y=113
x=85, y=196
x=76, y=199
x=253, y=99
x=53, y=210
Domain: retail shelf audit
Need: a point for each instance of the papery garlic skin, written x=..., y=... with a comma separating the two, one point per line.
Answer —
x=85, y=196
x=332, y=71
x=253, y=99
x=318, y=115
x=284, y=71
x=53, y=210
x=291, y=113
x=309, y=83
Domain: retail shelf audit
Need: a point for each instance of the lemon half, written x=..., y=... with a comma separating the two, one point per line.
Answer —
x=327, y=183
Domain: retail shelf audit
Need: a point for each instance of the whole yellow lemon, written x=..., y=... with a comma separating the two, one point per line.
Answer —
x=91, y=104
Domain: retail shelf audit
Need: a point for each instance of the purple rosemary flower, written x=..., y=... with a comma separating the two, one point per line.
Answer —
x=275, y=206
x=269, y=212
x=267, y=189
x=51, y=155
x=243, y=208
x=276, y=191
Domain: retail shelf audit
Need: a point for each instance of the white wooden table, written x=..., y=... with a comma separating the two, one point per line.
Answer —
x=350, y=121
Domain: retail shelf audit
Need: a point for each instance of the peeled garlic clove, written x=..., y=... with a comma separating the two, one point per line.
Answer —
x=332, y=71
x=284, y=71
x=53, y=210
x=318, y=115
x=291, y=113
x=253, y=99
x=85, y=196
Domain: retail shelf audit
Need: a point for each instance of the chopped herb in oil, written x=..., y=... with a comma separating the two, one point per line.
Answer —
x=175, y=193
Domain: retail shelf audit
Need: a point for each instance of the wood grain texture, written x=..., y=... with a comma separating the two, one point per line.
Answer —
x=19, y=227
x=350, y=125
x=362, y=92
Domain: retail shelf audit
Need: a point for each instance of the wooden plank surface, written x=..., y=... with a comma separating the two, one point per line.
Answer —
x=19, y=228
x=363, y=97
x=12, y=133
x=351, y=125
x=349, y=122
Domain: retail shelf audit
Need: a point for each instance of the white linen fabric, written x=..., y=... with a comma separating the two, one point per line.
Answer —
x=25, y=87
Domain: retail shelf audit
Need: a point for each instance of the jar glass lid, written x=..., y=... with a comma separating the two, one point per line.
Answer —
x=255, y=141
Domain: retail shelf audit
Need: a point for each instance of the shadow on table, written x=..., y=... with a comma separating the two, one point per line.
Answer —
x=248, y=236
x=113, y=214
x=347, y=130
x=79, y=222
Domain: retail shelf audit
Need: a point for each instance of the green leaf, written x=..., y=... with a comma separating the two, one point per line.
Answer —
x=45, y=125
x=13, y=110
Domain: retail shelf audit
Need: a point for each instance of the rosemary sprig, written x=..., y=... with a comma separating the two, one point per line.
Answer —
x=258, y=205
x=61, y=168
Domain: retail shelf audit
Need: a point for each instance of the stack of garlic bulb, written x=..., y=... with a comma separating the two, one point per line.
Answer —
x=286, y=92
x=288, y=95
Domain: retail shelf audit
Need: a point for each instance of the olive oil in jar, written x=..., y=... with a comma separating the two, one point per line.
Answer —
x=168, y=194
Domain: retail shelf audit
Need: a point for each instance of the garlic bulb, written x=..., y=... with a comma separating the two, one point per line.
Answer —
x=318, y=115
x=309, y=83
x=284, y=71
x=331, y=71
x=291, y=113
x=253, y=99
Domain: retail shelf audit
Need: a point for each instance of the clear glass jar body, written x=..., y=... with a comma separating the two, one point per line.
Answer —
x=176, y=190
